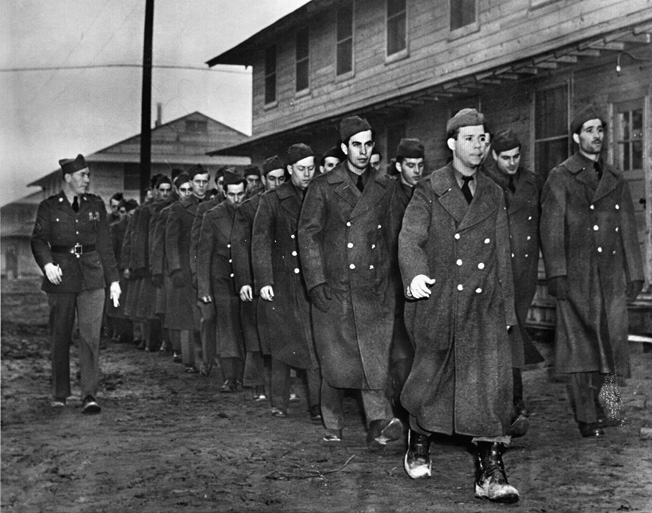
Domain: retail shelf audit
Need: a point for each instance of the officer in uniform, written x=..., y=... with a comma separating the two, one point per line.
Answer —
x=72, y=245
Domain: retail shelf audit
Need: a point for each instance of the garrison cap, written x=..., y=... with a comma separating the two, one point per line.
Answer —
x=410, y=149
x=70, y=166
x=251, y=170
x=465, y=117
x=298, y=152
x=335, y=152
x=272, y=164
x=175, y=172
x=586, y=114
x=130, y=204
x=163, y=179
x=153, y=180
x=232, y=178
x=505, y=140
x=197, y=169
x=181, y=179
x=353, y=125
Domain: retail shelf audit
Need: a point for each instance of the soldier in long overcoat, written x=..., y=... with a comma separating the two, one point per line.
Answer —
x=72, y=246
x=182, y=313
x=345, y=241
x=215, y=280
x=455, y=262
x=279, y=281
x=593, y=265
x=522, y=190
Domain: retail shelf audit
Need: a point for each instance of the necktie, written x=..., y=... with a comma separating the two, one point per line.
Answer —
x=359, y=183
x=511, y=185
x=598, y=169
x=466, y=190
x=75, y=204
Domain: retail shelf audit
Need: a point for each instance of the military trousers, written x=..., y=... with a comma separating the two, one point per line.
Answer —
x=88, y=306
x=376, y=406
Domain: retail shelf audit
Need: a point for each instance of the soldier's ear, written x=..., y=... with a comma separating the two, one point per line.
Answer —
x=451, y=143
x=576, y=138
x=345, y=149
x=494, y=155
x=398, y=166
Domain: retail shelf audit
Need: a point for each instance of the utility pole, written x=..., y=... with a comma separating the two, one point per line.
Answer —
x=146, y=108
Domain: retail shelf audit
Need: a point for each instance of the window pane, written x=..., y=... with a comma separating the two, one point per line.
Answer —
x=550, y=113
x=637, y=121
x=270, y=60
x=302, y=44
x=270, y=88
x=396, y=34
x=344, y=23
x=549, y=154
x=462, y=13
x=395, y=7
x=637, y=154
x=344, y=54
x=302, y=75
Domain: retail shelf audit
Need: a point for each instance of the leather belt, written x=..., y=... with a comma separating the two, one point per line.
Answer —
x=76, y=250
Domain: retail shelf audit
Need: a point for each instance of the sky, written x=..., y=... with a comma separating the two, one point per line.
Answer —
x=51, y=114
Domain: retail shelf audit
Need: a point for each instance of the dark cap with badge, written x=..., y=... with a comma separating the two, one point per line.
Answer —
x=353, y=125
x=181, y=179
x=410, y=149
x=465, y=117
x=197, y=169
x=232, y=178
x=251, y=170
x=298, y=152
x=70, y=166
x=505, y=140
x=586, y=114
x=272, y=164
x=335, y=152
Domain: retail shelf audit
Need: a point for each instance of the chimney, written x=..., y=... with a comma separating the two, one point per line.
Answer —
x=159, y=114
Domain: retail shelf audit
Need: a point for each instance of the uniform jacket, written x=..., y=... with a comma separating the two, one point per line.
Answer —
x=140, y=239
x=57, y=224
x=345, y=240
x=276, y=263
x=204, y=207
x=157, y=261
x=523, y=212
x=461, y=379
x=589, y=234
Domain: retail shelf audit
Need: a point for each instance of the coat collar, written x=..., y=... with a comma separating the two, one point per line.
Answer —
x=65, y=207
x=582, y=169
x=224, y=216
x=289, y=199
x=526, y=186
x=361, y=202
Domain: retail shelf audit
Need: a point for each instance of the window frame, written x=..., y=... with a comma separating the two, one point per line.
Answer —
x=404, y=52
x=464, y=30
x=566, y=136
x=267, y=75
x=304, y=59
x=347, y=74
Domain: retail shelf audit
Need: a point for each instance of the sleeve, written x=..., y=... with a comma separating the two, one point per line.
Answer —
x=158, y=242
x=126, y=245
x=412, y=239
x=104, y=247
x=172, y=233
x=505, y=272
x=553, y=226
x=194, y=238
x=629, y=233
x=262, y=241
x=139, y=248
x=40, y=236
x=205, y=249
x=311, y=223
x=241, y=246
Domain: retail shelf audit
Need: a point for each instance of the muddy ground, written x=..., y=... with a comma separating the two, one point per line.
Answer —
x=169, y=441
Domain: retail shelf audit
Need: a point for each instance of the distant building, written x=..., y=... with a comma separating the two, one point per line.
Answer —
x=17, y=224
x=409, y=65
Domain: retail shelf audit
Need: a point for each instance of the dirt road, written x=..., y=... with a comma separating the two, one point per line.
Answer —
x=169, y=441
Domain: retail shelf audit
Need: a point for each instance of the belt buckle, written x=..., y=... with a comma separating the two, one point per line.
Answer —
x=78, y=250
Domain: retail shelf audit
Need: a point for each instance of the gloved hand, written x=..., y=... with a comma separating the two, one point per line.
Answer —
x=633, y=289
x=177, y=278
x=157, y=280
x=558, y=287
x=320, y=296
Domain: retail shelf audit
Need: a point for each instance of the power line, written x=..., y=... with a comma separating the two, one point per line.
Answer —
x=98, y=66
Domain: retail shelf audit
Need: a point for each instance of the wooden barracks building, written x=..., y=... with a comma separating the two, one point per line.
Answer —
x=409, y=65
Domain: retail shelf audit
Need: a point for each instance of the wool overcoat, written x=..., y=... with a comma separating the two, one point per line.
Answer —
x=182, y=312
x=589, y=234
x=523, y=213
x=215, y=278
x=275, y=245
x=143, y=306
x=345, y=240
x=157, y=223
x=117, y=231
x=57, y=224
x=204, y=207
x=461, y=378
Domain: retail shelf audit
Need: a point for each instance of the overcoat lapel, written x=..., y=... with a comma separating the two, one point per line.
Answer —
x=608, y=183
x=289, y=200
x=449, y=194
x=224, y=220
x=483, y=203
x=525, y=190
x=372, y=194
x=64, y=206
x=343, y=185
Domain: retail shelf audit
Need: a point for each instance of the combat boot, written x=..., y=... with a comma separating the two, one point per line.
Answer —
x=490, y=478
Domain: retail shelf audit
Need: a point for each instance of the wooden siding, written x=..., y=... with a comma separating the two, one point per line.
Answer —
x=509, y=31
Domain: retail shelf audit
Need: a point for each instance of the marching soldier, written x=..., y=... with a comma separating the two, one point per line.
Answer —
x=331, y=159
x=72, y=246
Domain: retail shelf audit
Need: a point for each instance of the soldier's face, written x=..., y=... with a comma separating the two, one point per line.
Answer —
x=508, y=161
x=274, y=179
x=164, y=190
x=375, y=161
x=235, y=193
x=591, y=137
x=200, y=185
x=302, y=172
x=411, y=170
x=470, y=147
x=122, y=212
x=220, y=185
x=78, y=181
x=185, y=190
x=329, y=164
x=114, y=206
x=358, y=151
x=253, y=181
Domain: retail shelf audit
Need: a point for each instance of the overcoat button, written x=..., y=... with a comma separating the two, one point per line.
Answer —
x=480, y=265
x=373, y=246
x=349, y=245
x=296, y=270
x=617, y=228
x=457, y=236
x=348, y=223
x=459, y=261
x=352, y=266
x=292, y=236
x=592, y=207
x=487, y=240
x=617, y=206
x=294, y=253
x=599, y=250
x=371, y=267
x=595, y=227
x=478, y=290
x=460, y=287
x=379, y=227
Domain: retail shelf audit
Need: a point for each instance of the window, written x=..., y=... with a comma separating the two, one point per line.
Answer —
x=131, y=177
x=463, y=13
x=303, y=59
x=270, y=75
x=550, y=128
x=629, y=139
x=196, y=126
x=396, y=26
x=344, y=40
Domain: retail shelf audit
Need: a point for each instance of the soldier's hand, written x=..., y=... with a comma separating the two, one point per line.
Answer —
x=246, y=294
x=157, y=280
x=127, y=273
x=558, y=287
x=267, y=293
x=634, y=289
x=53, y=273
x=114, y=293
x=177, y=278
x=206, y=299
x=420, y=287
x=320, y=297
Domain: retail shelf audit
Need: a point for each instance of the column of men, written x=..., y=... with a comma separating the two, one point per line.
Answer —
x=411, y=290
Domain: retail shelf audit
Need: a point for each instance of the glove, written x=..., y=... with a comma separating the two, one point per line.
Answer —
x=177, y=278
x=558, y=287
x=157, y=280
x=633, y=289
x=321, y=297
